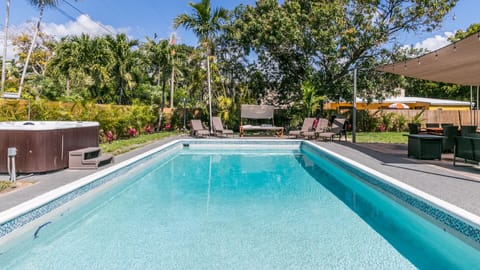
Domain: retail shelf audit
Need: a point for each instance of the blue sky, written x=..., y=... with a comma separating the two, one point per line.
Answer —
x=141, y=18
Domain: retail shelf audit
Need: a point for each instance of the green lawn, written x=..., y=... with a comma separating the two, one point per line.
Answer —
x=4, y=185
x=122, y=146
x=380, y=137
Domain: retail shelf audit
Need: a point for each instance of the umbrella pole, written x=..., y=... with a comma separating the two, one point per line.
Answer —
x=476, y=108
x=471, y=98
x=354, y=116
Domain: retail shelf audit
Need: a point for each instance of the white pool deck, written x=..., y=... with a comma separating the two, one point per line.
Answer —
x=459, y=185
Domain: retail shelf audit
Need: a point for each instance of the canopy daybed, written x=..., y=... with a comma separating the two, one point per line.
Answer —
x=258, y=112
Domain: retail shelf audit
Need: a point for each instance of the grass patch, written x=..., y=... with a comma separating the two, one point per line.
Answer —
x=122, y=146
x=381, y=137
x=4, y=185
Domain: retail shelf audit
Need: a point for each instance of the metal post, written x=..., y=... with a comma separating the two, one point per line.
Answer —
x=209, y=91
x=12, y=171
x=184, y=114
x=172, y=79
x=471, y=99
x=476, y=108
x=29, y=109
x=354, y=116
x=5, y=45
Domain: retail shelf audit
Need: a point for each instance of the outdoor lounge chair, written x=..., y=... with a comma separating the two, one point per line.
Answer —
x=322, y=126
x=198, y=130
x=218, y=127
x=337, y=130
x=448, y=143
x=467, y=130
x=413, y=128
x=307, y=126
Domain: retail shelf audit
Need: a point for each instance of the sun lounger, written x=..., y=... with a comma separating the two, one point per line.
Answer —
x=218, y=127
x=322, y=126
x=307, y=126
x=337, y=130
x=198, y=130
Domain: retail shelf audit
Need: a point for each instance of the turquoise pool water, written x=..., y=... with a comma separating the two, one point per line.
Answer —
x=239, y=209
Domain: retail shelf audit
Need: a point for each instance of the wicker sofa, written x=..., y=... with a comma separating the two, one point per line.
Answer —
x=467, y=148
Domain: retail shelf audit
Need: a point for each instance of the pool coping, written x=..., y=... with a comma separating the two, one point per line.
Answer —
x=17, y=212
x=463, y=224
x=453, y=209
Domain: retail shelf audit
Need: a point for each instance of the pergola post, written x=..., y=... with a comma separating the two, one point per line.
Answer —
x=354, y=112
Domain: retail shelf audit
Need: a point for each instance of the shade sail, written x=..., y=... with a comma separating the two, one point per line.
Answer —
x=457, y=63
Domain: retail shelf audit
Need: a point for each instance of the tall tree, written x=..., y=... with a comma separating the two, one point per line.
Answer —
x=205, y=23
x=124, y=64
x=40, y=4
x=472, y=29
x=65, y=60
x=333, y=37
x=5, y=43
x=85, y=63
x=158, y=58
x=156, y=54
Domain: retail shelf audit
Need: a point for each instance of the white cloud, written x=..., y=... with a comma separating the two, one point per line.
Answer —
x=434, y=43
x=82, y=25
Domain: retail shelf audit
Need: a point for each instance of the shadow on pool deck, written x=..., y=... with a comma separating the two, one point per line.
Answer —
x=458, y=185
x=391, y=154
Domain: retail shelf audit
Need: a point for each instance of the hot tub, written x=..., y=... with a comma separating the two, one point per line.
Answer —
x=43, y=146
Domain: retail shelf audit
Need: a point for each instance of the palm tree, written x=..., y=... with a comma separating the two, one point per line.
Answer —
x=158, y=56
x=124, y=62
x=41, y=4
x=205, y=24
x=5, y=44
x=86, y=64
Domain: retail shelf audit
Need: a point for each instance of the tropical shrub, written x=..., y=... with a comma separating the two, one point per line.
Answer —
x=113, y=118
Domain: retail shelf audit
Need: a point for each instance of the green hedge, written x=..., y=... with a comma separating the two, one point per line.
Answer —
x=110, y=117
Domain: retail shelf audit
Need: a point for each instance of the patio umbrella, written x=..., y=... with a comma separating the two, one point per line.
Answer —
x=398, y=106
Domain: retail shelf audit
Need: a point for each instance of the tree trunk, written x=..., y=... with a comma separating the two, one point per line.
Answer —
x=5, y=45
x=172, y=81
x=209, y=91
x=37, y=29
x=163, y=103
x=67, y=84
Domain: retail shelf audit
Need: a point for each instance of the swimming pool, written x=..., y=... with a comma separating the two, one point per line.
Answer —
x=239, y=204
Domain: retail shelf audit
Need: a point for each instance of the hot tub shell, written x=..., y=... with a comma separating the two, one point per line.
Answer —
x=43, y=146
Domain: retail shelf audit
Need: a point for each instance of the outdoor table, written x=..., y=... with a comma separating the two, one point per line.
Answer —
x=425, y=146
x=434, y=130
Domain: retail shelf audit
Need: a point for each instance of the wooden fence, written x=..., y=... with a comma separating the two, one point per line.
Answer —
x=458, y=118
